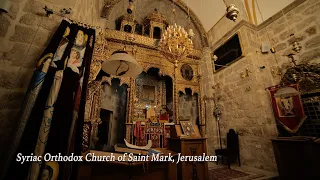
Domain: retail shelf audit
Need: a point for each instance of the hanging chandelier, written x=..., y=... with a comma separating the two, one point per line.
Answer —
x=176, y=43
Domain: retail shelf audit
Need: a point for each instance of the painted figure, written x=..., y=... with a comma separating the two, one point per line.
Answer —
x=61, y=48
x=77, y=52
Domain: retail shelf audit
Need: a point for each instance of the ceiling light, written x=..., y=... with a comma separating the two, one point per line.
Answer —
x=121, y=63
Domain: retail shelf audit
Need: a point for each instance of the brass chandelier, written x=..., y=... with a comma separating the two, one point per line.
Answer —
x=176, y=43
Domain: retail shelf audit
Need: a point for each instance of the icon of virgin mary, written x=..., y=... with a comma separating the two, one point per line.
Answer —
x=77, y=52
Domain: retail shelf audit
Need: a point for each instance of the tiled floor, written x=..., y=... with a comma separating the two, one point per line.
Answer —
x=249, y=170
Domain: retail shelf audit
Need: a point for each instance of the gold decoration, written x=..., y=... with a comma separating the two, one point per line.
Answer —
x=148, y=56
x=246, y=73
x=175, y=43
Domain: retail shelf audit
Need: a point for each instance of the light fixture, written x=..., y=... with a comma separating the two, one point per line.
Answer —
x=296, y=47
x=232, y=12
x=190, y=31
x=286, y=92
x=130, y=7
x=175, y=43
x=121, y=63
x=4, y=6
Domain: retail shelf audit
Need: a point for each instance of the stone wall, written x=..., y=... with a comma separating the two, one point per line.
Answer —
x=24, y=33
x=244, y=102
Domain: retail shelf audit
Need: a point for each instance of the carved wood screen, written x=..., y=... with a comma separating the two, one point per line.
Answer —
x=145, y=51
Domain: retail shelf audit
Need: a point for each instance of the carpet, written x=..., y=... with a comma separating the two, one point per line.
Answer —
x=228, y=174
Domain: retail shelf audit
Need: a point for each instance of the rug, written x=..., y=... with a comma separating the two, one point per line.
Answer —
x=227, y=174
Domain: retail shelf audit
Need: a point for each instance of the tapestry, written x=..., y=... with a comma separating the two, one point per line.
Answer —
x=30, y=99
x=288, y=111
x=55, y=124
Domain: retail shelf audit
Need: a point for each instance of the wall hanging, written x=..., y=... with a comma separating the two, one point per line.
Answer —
x=54, y=102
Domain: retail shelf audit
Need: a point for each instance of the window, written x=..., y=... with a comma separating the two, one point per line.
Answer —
x=228, y=53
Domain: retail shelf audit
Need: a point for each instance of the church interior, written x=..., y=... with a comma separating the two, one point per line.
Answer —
x=235, y=83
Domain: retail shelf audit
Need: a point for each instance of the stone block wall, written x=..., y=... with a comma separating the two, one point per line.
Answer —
x=244, y=102
x=304, y=22
x=24, y=34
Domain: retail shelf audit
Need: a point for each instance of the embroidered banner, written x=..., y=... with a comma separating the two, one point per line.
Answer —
x=287, y=108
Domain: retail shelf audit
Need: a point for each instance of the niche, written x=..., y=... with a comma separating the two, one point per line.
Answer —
x=156, y=33
x=139, y=29
x=152, y=90
x=188, y=106
x=127, y=28
x=113, y=116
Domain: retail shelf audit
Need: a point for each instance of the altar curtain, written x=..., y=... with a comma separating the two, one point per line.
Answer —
x=51, y=121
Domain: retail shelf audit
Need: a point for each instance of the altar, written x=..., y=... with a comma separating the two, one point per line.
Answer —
x=145, y=107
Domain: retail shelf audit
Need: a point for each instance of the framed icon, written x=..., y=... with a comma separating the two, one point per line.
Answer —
x=187, y=72
x=187, y=128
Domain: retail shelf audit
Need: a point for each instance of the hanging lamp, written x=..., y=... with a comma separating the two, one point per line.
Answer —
x=232, y=11
x=121, y=63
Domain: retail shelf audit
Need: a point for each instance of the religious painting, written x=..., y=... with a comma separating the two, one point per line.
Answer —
x=187, y=128
x=149, y=93
x=186, y=72
x=288, y=109
x=61, y=48
x=77, y=52
x=164, y=116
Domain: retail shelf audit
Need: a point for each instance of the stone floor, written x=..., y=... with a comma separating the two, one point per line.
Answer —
x=249, y=170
